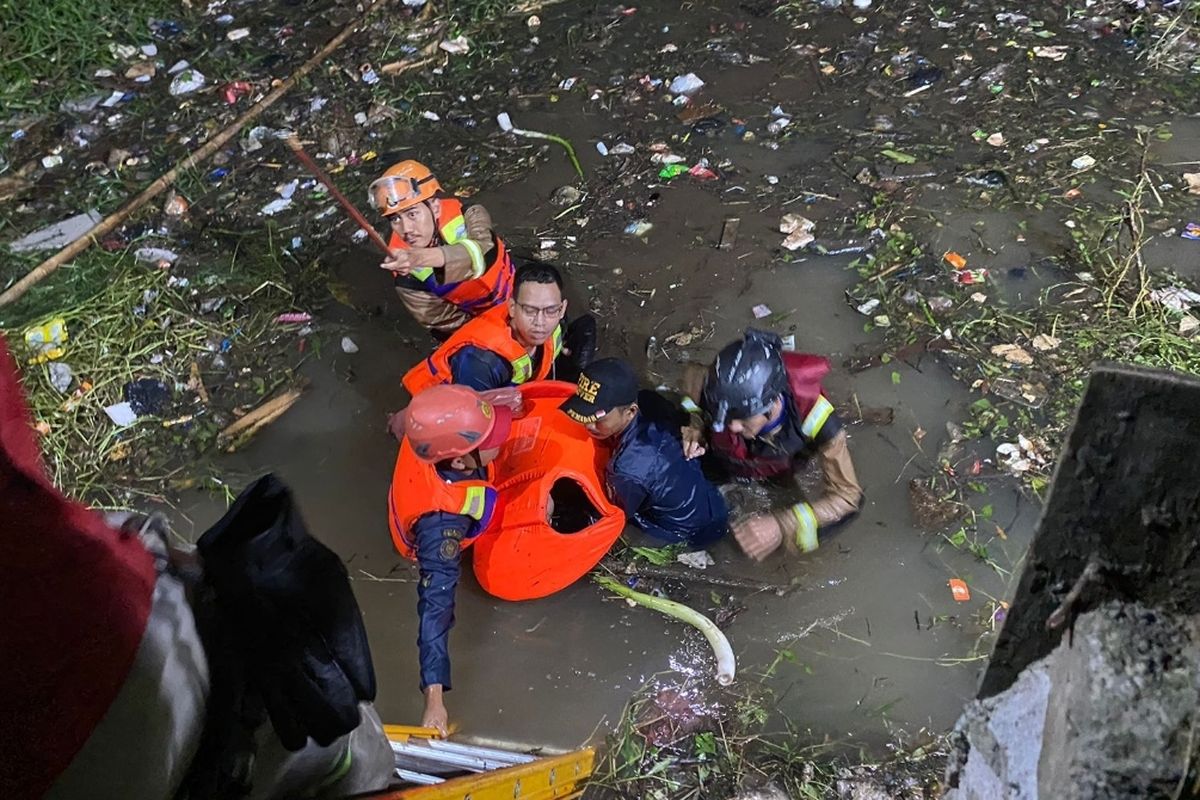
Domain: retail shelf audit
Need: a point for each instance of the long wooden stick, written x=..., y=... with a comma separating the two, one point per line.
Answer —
x=261, y=415
x=109, y=223
x=294, y=143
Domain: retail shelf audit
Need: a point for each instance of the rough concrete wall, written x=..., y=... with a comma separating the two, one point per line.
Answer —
x=1107, y=715
x=1124, y=497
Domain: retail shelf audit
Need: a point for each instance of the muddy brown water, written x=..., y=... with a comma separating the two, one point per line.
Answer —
x=879, y=643
x=872, y=624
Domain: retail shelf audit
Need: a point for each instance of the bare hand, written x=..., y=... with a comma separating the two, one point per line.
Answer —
x=435, y=715
x=693, y=442
x=758, y=535
x=396, y=424
x=401, y=262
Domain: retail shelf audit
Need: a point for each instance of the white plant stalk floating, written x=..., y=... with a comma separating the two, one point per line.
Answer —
x=726, y=663
x=507, y=126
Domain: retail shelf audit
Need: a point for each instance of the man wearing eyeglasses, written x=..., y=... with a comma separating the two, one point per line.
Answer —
x=448, y=263
x=519, y=342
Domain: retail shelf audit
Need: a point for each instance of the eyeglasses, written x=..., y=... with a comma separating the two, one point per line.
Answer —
x=533, y=312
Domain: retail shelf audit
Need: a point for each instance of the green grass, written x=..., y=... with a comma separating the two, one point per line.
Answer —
x=52, y=48
x=109, y=345
x=112, y=341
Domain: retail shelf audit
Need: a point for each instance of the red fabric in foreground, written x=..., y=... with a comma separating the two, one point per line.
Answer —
x=74, y=601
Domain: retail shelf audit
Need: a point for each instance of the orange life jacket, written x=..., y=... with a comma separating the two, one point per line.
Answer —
x=526, y=558
x=418, y=489
x=492, y=288
x=489, y=331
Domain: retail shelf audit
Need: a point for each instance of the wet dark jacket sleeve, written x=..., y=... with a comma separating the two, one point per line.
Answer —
x=627, y=492
x=439, y=538
x=480, y=369
x=660, y=491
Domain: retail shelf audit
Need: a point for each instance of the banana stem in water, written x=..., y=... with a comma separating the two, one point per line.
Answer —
x=726, y=664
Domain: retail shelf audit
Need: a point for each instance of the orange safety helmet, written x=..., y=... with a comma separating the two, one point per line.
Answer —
x=402, y=187
x=448, y=421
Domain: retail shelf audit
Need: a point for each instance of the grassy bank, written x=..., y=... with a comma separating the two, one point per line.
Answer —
x=688, y=742
x=206, y=335
x=51, y=49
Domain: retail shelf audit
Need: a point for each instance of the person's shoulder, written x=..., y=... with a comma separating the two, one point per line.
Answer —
x=633, y=451
x=475, y=351
x=479, y=368
x=658, y=409
x=653, y=447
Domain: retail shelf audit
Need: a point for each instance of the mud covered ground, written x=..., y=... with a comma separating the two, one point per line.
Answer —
x=1046, y=145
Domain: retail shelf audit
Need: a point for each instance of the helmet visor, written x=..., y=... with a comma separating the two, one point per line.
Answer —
x=391, y=194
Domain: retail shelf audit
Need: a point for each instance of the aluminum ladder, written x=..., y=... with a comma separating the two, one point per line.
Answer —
x=432, y=768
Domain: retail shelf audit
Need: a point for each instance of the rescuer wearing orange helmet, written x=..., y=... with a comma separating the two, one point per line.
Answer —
x=441, y=500
x=449, y=265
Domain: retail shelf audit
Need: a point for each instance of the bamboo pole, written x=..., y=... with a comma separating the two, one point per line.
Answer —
x=109, y=223
x=259, y=418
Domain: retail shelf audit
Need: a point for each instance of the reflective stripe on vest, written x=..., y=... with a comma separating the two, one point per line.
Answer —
x=522, y=367
x=474, y=503
x=815, y=420
x=489, y=331
x=455, y=228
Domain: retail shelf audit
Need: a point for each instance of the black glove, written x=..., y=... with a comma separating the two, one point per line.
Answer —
x=581, y=341
x=285, y=600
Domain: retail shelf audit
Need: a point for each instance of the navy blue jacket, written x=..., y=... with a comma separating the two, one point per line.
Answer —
x=661, y=492
x=483, y=370
x=439, y=536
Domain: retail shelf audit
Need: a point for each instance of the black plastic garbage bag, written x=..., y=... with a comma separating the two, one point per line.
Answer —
x=292, y=616
x=582, y=339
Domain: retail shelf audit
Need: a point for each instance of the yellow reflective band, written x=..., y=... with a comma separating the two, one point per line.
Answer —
x=689, y=405
x=817, y=417
x=556, y=340
x=475, y=503
x=806, y=527
x=522, y=369
x=454, y=230
x=422, y=273
x=477, y=265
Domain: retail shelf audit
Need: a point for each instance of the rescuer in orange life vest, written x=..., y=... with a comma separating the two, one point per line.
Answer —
x=766, y=415
x=449, y=264
x=524, y=340
x=441, y=501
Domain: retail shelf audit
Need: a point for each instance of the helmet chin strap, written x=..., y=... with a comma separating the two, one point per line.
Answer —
x=718, y=424
x=774, y=425
x=433, y=238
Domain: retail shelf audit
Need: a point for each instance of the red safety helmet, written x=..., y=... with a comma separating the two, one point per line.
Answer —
x=448, y=421
x=401, y=187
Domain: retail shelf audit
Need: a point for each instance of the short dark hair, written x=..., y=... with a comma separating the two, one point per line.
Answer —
x=536, y=273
